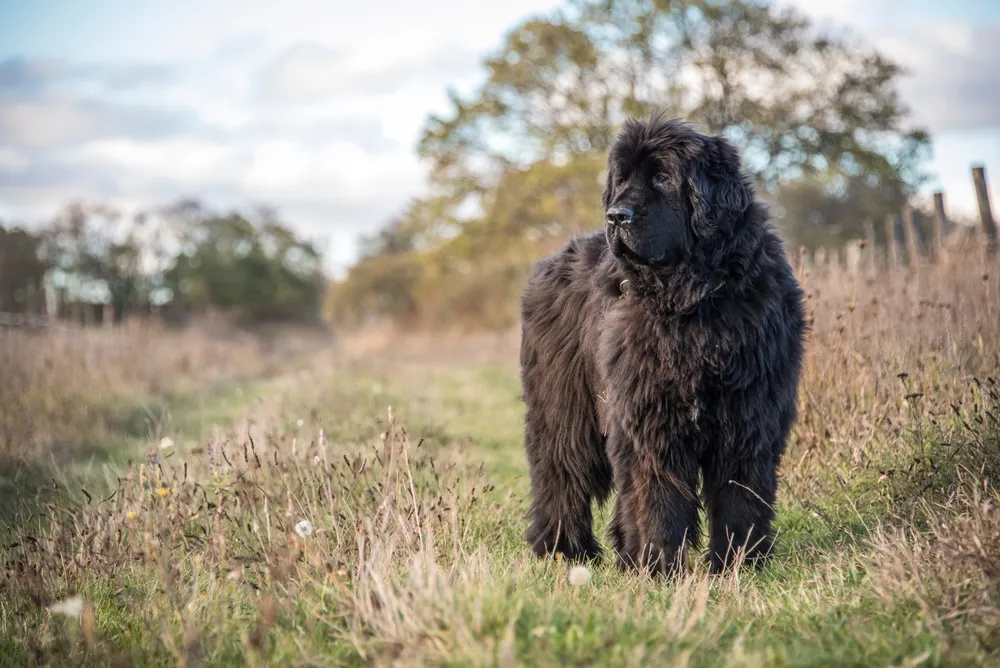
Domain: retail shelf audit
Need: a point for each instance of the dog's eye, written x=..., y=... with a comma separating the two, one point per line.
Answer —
x=661, y=178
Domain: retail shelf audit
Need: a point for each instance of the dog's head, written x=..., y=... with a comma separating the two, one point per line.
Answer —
x=670, y=189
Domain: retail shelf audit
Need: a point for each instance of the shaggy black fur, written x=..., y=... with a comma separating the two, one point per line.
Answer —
x=668, y=345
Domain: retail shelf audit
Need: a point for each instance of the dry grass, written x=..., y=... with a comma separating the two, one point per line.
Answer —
x=950, y=565
x=65, y=385
x=889, y=532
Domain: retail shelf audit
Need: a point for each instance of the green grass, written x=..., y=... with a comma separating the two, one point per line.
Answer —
x=420, y=560
x=134, y=429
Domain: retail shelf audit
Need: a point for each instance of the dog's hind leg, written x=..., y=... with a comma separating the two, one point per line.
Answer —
x=562, y=436
x=569, y=470
x=568, y=465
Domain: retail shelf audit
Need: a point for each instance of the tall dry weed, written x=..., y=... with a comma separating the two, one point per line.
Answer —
x=60, y=386
x=949, y=564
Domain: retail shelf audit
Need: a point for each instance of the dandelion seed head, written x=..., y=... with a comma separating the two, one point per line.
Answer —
x=299, y=422
x=304, y=529
x=71, y=607
x=579, y=576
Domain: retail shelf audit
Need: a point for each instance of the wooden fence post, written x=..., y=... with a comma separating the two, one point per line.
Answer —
x=852, y=256
x=910, y=237
x=985, y=212
x=939, y=228
x=819, y=260
x=30, y=299
x=891, y=255
x=51, y=298
x=870, y=242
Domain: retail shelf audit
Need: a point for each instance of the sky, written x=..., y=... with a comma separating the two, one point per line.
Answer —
x=315, y=106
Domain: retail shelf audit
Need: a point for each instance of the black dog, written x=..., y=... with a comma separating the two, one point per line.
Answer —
x=669, y=344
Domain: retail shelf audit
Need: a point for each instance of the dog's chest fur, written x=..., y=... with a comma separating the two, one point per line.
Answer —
x=656, y=371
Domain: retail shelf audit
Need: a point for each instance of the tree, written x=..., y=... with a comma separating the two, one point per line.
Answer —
x=257, y=268
x=101, y=256
x=22, y=270
x=182, y=255
x=797, y=102
x=817, y=211
x=516, y=166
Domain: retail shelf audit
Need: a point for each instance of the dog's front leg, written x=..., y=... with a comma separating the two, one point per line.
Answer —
x=666, y=509
x=623, y=530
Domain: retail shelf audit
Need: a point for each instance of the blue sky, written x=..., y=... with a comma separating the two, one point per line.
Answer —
x=315, y=106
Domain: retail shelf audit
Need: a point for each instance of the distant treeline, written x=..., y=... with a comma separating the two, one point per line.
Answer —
x=177, y=260
x=517, y=166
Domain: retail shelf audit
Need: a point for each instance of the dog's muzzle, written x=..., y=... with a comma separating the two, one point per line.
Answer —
x=619, y=215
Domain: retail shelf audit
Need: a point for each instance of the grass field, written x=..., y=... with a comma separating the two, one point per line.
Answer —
x=366, y=507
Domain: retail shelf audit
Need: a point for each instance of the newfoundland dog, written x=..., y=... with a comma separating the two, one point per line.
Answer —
x=668, y=344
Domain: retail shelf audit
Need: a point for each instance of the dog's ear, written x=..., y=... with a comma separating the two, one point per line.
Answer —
x=720, y=193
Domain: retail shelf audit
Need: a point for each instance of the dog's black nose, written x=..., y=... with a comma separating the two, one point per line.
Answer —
x=620, y=215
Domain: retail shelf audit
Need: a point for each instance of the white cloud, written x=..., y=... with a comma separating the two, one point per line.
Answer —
x=959, y=39
x=336, y=167
x=306, y=72
x=954, y=80
x=283, y=167
x=840, y=11
x=185, y=160
x=61, y=120
x=45, y=124
x=11, y=160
